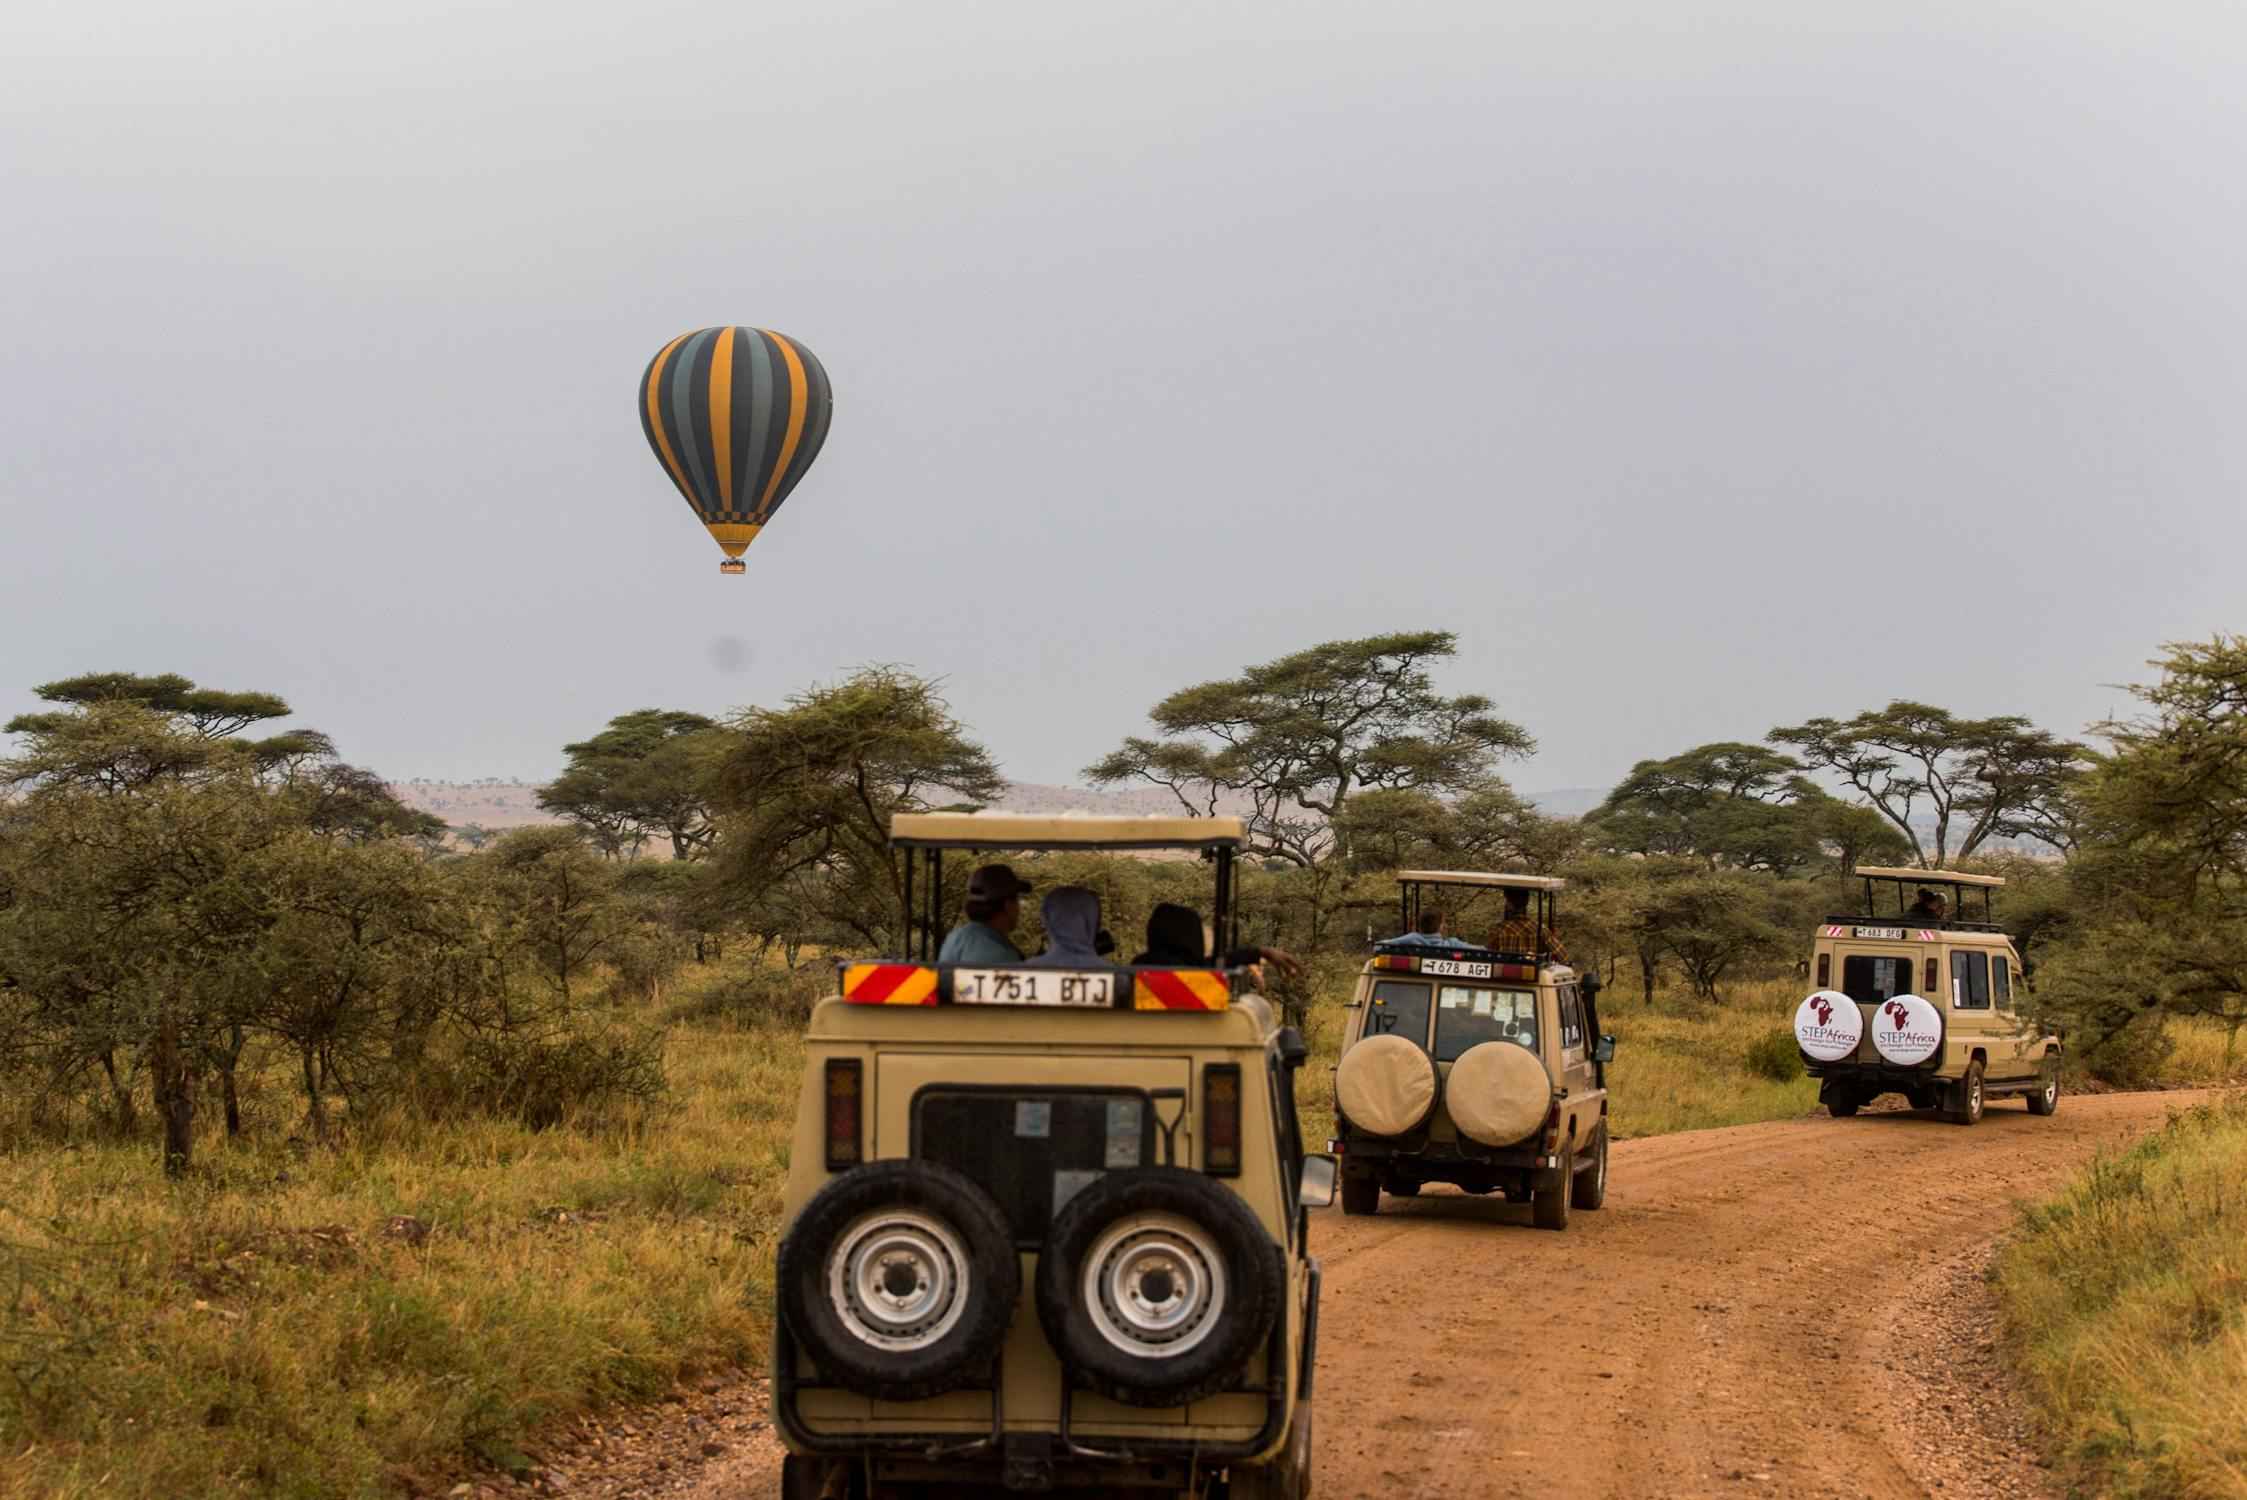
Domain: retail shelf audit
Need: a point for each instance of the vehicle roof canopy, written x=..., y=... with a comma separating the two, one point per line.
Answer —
x=1474, y=877
x=1019, y=831
x=1930, y=877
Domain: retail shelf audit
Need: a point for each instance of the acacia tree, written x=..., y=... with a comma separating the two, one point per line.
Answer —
x=649, y=774
x=1293, y=740
x=1728, y=805
x=1998, y=777
x=806, y=793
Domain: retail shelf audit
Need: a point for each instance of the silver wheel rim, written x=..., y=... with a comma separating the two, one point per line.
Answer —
x=1154, y=1285
x=2051, y=1087
x=898, y=1279
x=1602, y=1168
x=1974, y=1095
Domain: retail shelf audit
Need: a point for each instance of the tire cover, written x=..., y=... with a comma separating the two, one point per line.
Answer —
x=1386, y=1085
x=1828, y=1026
x=1907, y=1030
x=1498, y=1092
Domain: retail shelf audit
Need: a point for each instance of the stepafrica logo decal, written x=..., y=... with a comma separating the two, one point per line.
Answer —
x=1828, y=1026
x=1907, y=1030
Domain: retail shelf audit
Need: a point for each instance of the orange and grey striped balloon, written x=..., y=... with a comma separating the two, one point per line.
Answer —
x=736, y=415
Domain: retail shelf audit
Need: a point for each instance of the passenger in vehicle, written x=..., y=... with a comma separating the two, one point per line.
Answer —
x=1928, y=907
x=1175, y=940
x=1427, y=931
x=994, y=907
x=1072, y=927
x=1517, y=931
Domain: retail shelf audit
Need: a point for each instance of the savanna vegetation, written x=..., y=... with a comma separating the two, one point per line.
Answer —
x=339, y=1150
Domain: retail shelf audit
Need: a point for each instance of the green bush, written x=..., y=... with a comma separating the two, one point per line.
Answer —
x=1774, y=1055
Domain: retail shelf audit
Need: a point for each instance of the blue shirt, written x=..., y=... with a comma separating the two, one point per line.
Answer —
x=1426, y=940
x=977, y=943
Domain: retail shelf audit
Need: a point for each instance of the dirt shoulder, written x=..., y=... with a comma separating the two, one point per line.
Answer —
x=1788, y=1309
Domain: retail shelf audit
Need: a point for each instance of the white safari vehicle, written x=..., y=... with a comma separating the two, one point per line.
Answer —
x=1923, y=1002
x=1046, y=1225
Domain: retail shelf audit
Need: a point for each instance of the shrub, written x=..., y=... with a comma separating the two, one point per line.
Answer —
x=1774, y=1055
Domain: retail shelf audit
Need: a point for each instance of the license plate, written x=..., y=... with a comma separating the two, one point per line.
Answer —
x=1033, y=987
x=1457, y=968
x=1892, y=934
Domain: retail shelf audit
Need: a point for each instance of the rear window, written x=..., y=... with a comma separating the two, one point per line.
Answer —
x=1970, y=981
x=1033, y=1151
x=1467, y=1015
x=1399, y=1006
x=1869, y=978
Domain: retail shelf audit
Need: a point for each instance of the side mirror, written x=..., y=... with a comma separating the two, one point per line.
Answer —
x=1317, y=1182
x=1603, y=1050
x=1294, y=1052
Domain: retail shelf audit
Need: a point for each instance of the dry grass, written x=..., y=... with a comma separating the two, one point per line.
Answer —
x=2127, y=1298
x=255, y=1332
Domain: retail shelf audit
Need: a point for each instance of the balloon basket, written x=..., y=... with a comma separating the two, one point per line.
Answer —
x=733, y=565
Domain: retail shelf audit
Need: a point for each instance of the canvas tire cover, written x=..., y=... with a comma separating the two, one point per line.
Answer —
x=1386, y=1085
x=1498, y=1093
x=1828, y=1026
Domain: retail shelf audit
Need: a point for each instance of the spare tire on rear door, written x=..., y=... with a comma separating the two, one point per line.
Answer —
x=898, y=1279
x=1157, y=1285
x=1386, y=1085
x=1498, y=1093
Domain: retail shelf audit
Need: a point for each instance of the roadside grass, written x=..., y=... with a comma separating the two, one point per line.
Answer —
x=254, y=1330
x=2126, y=1300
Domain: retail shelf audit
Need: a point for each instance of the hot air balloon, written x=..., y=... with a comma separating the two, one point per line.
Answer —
x=735, y=415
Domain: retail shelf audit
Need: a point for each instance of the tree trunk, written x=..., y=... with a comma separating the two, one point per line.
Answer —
x=312, y=1109
x=121, y=1092
x=226, y=1083
x=175, y=1101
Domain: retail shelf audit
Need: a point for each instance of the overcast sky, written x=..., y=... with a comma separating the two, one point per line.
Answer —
x=1704, y=367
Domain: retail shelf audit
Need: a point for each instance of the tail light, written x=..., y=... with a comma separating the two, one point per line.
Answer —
x=1551, y=1141
x=845, y=1111
x=1221, y=1120
x=1929, y=986
x=1825, y=971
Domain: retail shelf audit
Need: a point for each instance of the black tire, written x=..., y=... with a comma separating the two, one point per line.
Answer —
x=972, y=1282
x=1548, y=1206
x=1137, y=1235
x=1590, y=1185
x=1843, y=1104
x=2046, y=1099
x=1286, y=1477
x=1361, y=1193
x=1967, y=1098
x=1401, y=1187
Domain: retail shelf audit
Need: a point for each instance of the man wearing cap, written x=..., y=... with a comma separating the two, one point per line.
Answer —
x=994, y=906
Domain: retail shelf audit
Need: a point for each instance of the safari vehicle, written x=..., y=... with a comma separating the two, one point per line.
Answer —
x=1911, y=1003
x=1473, y=1064
x=1045, y=1227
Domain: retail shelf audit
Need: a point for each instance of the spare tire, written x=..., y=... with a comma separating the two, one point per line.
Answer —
x=1156, y=1285
x=1386, y=1085
x=898, y=1279
x=1907, y=1030
x=1498, y=1093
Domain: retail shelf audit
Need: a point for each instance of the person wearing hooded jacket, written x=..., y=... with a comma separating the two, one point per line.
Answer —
x=1072, y=928
x=1175, y=939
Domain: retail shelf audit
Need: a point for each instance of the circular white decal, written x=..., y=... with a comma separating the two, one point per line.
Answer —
x=1829, y=1026
x=1907, y=1030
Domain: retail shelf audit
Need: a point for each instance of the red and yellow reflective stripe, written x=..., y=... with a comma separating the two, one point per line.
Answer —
x=1180, y=989
x=889, y=984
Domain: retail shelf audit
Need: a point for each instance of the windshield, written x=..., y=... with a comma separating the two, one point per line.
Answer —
x=1468, y=1015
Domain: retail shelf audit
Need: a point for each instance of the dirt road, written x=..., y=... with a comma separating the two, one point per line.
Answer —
x=1790, y=1309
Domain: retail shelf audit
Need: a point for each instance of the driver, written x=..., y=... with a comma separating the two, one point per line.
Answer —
x=994, y=907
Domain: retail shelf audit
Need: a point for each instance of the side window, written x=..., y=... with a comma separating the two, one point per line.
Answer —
x=1970, y=981
x=1571, y=1018
x=2001, y=981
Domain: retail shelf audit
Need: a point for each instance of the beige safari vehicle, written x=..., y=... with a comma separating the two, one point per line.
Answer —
x=1046, y=1226
x=1926, y=1005
x=1474, y=1063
